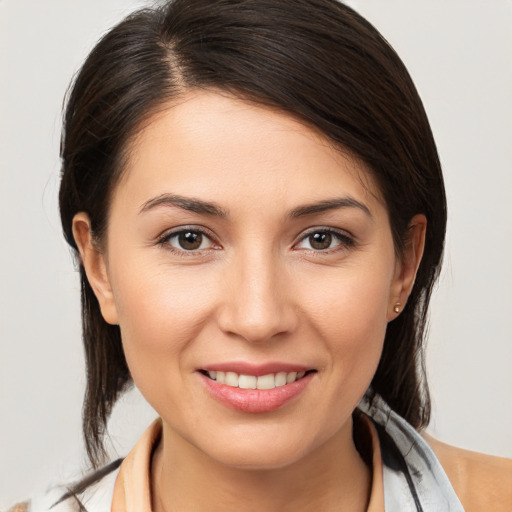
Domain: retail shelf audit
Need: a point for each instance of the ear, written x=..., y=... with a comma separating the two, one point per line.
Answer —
x=94, y=261
x=407, y=265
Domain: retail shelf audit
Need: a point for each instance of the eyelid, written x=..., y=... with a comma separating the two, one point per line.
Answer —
x=345, y=238
x=164, y=238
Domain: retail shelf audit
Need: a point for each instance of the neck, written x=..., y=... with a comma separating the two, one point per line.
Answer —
x=332, y=478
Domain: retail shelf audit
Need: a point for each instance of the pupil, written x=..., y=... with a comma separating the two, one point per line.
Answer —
x=320, y=241
x=190, y=240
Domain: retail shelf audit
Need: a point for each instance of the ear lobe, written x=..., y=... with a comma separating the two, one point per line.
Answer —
x=94, y=262
x=408, y=265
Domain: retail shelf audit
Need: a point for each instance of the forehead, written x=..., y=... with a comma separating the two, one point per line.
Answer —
x=224, y=148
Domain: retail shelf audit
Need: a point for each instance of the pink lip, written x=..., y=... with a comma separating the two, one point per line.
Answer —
x=256, y=369
x=255, y=400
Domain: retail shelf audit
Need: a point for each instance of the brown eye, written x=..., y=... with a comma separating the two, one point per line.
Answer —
x=324, y=240
x=190, y=240
x=320, y=241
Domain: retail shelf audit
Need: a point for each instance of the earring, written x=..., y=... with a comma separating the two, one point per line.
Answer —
x=397, y=307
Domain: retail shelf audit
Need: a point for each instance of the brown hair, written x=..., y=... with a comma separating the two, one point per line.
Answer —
x=315, y=59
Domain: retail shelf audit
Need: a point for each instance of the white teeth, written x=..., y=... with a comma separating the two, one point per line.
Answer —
x=266, y=381
x=270, y=381
x=280, y=379
x=291, y=377
x=231, y=379
x=247, y=382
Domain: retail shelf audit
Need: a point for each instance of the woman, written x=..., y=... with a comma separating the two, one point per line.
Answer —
x=257, y=204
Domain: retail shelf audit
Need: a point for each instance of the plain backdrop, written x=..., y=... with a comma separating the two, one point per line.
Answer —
x=459, y=53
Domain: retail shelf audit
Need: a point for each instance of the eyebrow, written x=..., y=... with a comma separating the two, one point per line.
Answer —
x=185, y=203
x=329, y=204
x=206, y=208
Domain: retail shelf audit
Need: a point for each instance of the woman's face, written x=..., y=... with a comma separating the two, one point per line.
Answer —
x=240, y=242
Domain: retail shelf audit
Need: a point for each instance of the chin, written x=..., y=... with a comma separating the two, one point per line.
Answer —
x=261, y=449
x=258, y=459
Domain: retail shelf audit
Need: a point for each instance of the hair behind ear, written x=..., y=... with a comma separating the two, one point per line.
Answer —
x=107, y=372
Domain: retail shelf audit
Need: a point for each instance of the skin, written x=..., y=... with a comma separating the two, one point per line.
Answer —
x=256, y=290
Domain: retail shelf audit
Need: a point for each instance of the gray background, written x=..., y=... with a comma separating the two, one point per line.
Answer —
x=459, y=53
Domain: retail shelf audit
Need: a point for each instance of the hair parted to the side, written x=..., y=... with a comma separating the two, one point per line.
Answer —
x=317, y=60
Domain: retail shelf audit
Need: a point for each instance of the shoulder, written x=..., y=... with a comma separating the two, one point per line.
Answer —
x=93, y=493
x=482, y=482
x=20, y=507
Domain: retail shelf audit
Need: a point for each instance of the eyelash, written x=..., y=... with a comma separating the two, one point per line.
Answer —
x=345, y=241
x=165, y=240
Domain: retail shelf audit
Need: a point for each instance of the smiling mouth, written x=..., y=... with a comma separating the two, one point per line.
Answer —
x=269, y=381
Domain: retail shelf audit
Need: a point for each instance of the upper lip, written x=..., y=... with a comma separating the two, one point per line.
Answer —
x=243, y=368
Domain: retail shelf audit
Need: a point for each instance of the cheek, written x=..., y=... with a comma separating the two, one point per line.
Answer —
x=160, y=312
x=349, y=313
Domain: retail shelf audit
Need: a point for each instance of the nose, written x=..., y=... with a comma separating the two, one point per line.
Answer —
x=258, y=303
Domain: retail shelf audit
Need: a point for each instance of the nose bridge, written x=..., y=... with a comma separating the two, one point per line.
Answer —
x=257, y=305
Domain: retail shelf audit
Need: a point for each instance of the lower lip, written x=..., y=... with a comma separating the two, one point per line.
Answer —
x=256, y=400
